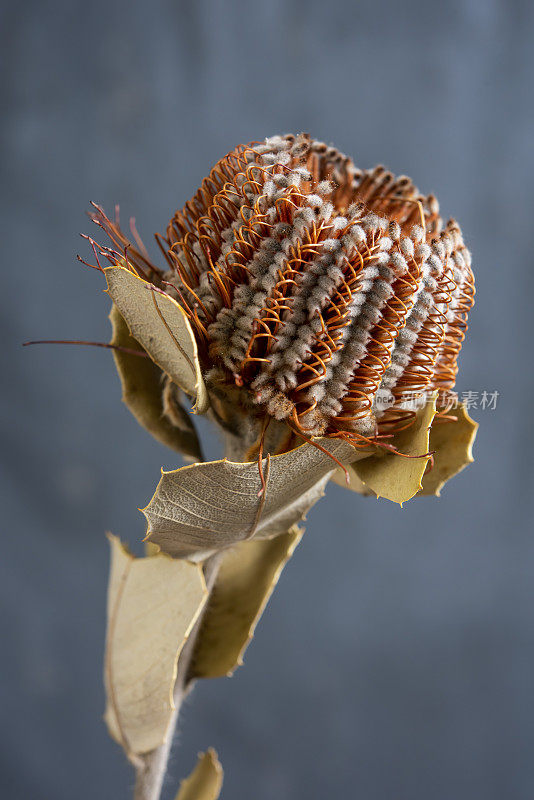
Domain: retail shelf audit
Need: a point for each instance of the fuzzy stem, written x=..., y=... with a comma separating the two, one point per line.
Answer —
x=151, y=767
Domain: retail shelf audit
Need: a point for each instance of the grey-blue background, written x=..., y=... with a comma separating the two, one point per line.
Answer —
x=396, y=659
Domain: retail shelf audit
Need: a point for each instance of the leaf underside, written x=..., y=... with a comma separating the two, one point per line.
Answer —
x=141, y=381
x=153, y=603
x=160, y=325
x=205, y=507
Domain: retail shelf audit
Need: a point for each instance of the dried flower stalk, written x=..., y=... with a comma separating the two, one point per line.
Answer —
x=302, y=300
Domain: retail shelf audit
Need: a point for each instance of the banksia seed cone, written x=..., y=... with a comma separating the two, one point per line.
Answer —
x=329, y=295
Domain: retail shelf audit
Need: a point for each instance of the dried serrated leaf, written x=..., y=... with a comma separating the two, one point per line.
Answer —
x=141, y=382
x=396, y=477
x=153, y=603
x=355, y=483
x=205, y=782
x=160, y=325
x=205, y=507
x=245, y=581
x=452, y=444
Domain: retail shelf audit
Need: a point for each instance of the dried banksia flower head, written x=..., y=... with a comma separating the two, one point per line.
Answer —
x=321, y=295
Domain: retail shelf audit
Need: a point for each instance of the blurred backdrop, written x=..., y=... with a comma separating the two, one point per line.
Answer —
x=396, y=658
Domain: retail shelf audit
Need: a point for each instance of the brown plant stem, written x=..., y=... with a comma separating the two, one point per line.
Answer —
x=151, y=767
